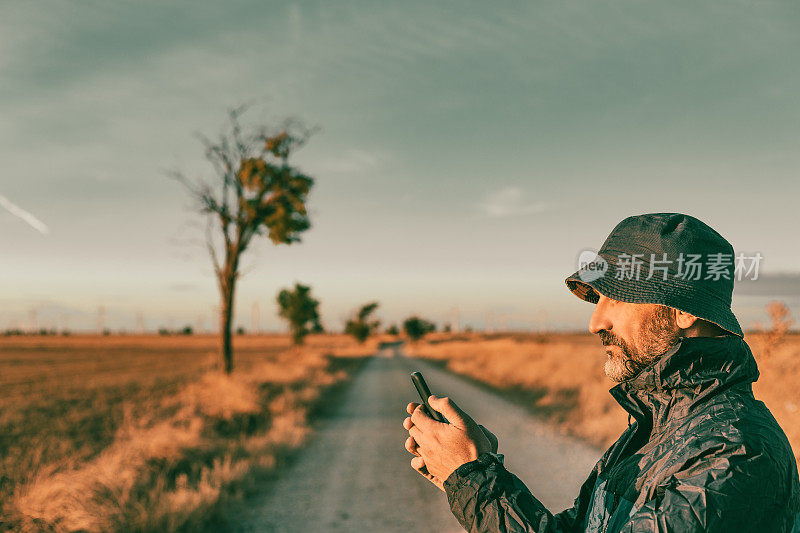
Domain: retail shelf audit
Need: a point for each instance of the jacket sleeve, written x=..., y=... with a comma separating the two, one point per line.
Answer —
x=485, y=497
x=735, y=493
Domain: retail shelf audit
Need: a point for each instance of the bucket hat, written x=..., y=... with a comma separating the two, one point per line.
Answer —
x=669, y=259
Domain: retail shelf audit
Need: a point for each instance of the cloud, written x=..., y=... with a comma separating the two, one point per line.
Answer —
x=784, y=285
x=18, y=212
x=510, y=201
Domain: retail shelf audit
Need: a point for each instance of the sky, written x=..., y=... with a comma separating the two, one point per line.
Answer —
x=466, y=152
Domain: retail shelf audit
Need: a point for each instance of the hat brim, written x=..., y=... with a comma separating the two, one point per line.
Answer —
x=678, y=294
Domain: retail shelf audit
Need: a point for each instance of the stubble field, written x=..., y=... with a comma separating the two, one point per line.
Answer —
x=143, y=433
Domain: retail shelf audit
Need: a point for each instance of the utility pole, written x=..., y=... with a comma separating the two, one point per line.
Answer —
x=502, y=324
x=455, y=322
x=32, y=321
x=255, y=319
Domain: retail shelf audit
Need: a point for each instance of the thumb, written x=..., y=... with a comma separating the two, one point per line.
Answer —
x=448, y=408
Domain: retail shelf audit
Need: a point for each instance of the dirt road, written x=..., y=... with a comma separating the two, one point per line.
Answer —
x=355, y=473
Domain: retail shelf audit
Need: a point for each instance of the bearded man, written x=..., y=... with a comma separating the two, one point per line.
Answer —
x=702, y=454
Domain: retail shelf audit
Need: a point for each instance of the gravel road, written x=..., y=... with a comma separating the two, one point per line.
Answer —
x=355, y=475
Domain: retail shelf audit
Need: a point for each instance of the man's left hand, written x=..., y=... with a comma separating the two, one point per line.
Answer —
x=443, y=447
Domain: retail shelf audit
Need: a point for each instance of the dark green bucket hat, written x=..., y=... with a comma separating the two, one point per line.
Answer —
x=663, y=258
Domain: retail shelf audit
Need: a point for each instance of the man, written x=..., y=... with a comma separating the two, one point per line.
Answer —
x=702, y=454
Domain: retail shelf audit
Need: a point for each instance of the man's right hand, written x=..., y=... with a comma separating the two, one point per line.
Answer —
x=411, y=446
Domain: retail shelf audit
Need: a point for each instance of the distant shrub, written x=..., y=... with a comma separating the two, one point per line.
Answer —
x=416, y=327
x=361, y=326
x=780, y=322
x=299, y=308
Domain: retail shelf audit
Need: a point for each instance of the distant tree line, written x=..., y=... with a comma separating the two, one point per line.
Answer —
x=298, y=307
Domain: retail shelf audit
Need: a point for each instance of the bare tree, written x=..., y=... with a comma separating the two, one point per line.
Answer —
x=255, y=192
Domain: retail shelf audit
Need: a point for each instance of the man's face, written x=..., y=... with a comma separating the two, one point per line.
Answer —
x=635, y=335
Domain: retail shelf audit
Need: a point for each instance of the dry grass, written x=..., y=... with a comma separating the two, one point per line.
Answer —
x=143, y=433
x=779, y=384
x=561, y=377
x=558, y=376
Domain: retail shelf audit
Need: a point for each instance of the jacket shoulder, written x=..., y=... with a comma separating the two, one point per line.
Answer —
x=729, y=467
x=734, y=424
x=733, y=443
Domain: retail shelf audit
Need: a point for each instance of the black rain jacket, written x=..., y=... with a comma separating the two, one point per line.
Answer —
x=702, y=455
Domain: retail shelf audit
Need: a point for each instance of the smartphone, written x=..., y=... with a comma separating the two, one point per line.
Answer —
x=424, y=392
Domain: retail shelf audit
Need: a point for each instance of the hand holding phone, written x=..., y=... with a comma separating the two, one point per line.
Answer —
x=424, y=392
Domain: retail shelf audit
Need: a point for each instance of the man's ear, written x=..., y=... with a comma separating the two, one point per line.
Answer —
x=684, y=320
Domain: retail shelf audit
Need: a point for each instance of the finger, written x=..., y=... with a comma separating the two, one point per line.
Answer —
x=411, y=446
x=407, y=423
x=448, y=408
x=420, y=418
x=418, y=464
x=410, y=407
x=417, y=435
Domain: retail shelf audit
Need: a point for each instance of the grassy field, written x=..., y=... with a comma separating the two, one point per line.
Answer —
x=143, y=433
x=561, y=378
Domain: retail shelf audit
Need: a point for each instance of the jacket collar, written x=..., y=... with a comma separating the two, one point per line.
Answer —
x=702, y=365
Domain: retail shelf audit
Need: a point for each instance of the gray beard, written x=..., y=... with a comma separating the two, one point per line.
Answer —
x=621, y=366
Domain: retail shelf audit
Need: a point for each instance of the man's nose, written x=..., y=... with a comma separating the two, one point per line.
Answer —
x=600, y=317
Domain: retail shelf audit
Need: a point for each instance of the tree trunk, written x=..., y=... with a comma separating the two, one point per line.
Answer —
x=227, y=288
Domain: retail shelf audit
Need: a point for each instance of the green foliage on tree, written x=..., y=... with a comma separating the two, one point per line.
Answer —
x=255, y=192
x=299, y=309
x=361, y=326
x=392, y=330
x=416, y=327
